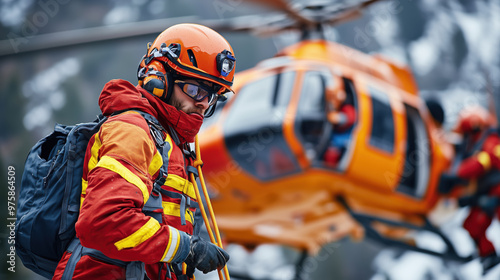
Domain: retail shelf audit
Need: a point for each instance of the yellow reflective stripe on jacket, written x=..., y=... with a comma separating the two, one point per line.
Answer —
x=174, y=209
x=484, y=159
x=157, y=161
x=85, y=184
x=496, y=151
x=173, y=245
x=156, y=164
x=180, y=184
x=141, y=235
x=169, y=140
x=94, y=152
x=115, y=166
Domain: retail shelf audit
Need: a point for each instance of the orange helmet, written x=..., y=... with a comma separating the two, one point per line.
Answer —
x=473, y=120
x=190, y=50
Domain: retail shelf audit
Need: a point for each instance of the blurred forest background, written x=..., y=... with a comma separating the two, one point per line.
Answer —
x=452, y=47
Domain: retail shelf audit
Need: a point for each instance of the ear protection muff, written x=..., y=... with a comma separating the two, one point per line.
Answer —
x=152, y=74
x=155, y=79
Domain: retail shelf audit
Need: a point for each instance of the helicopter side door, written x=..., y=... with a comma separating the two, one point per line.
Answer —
x=380, y=145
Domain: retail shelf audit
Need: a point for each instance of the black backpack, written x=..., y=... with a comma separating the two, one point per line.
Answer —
x=49, y=198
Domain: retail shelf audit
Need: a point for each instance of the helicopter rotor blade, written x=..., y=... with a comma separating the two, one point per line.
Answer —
x=345, y=13
x=302, y=17
x=65, y=39
x=294, y=18
x=274, y=4
x=251, y=23
x=298, y=17
x=284, y=6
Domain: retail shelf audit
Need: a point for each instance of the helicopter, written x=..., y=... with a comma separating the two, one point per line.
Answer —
x=264, y=148
x=265, y=161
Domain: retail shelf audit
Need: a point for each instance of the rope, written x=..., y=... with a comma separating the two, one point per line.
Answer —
x=198, y=163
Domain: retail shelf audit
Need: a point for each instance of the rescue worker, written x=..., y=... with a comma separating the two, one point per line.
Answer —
x=342, y=115
x=183, y=74
x=479, y=160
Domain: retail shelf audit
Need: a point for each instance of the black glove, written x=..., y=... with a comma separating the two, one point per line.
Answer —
x=489, y=204
x=448, y=181
x=470, y=200
x=204, y=256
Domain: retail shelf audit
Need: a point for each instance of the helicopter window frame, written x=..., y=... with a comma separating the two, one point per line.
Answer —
x=284, y=88
x=350, y=91
x=383, y=127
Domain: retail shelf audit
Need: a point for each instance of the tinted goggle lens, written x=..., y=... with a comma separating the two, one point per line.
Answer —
x=198, y=92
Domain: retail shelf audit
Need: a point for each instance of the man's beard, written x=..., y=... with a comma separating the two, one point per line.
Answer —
x=178, y=105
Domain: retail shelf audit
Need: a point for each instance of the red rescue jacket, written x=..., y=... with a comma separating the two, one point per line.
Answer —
x=486, y=158
x=484, y=165
x=121, y=164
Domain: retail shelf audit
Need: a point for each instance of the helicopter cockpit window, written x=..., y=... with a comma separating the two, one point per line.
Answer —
x=253, y=129
x=382, y=134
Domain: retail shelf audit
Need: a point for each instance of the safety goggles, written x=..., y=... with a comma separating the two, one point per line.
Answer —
x=198, y=92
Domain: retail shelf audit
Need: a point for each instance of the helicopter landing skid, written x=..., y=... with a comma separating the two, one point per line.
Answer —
x=367, y=220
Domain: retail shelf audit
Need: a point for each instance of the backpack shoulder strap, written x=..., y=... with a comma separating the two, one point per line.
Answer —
x=155, y=128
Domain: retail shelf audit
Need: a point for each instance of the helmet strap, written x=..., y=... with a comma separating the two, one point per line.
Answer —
x=169, y=87
x=210, y=111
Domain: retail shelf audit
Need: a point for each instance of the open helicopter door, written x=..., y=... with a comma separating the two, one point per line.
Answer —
x=311, y=126
x=322, y=94
x=414, y=180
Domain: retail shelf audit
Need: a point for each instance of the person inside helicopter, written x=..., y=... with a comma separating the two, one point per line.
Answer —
x=341, y=113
